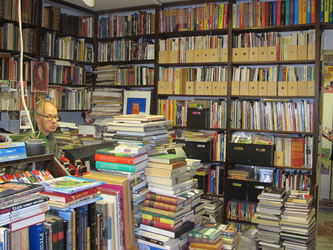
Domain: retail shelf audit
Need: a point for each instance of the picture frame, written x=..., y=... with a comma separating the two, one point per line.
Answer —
x=136, y=102
x=39, y=76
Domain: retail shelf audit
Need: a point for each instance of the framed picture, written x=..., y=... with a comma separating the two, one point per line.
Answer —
x=24, y=120
x=136, y=102
x=39, y=76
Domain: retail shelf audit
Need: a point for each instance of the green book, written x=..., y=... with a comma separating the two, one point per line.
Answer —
x=167, y=158
x=102, y=165
x=110, y=151
x=287, y=12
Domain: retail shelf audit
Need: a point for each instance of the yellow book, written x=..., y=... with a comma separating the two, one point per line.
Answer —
x=88, y=239
x=158, y=211
x=300, y=11
x=161, y=219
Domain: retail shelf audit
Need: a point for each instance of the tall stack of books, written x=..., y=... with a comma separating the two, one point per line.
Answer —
x=149, y=130
x=268, y=216
x=213, y=207
x=66, y=135
x=298, y=222
x=106, y=103
x=172, y=207
x=88, y=134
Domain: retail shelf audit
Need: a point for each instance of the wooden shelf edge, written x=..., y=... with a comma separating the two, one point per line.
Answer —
x=272, y=131
x=286, y=28
x=193, y=33
x=127, y=37
x=272, y=97
x=192, y=64
x=274, y=62
x=29, y=159
x=126, y=62
x=217, y=96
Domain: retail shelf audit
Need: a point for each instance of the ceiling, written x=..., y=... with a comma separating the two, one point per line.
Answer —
x=118, y=4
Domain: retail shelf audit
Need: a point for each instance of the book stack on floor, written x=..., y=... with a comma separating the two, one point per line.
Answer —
x=88, y=134
x=150, y=130
x=22, y=207
x=73, y=214
x=298, y=222
x=205, y=238
x=66, y=135
x=10, y=151
x=213, y=206
x=106, y=103
x=268, y=216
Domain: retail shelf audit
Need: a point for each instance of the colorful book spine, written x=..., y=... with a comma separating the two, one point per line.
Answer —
x=158, y=224
x=115, y=166
x=158, y=218
x=159, y=205
x=162, y=199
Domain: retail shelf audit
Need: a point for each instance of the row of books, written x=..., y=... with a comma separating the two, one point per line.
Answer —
x=135, y=24
x=53, y=17
x=134, y=75
x=292, y=180
x=70, y=98
x=274, y=74
x=126, y=50
x=176, y=111
x=326, y=13
x=210, y=179
x=67, y=47
x=241, y=210
x=9, y=11
x=295, y=116
x=9, y=35
x=206, y=17
x=273, y=13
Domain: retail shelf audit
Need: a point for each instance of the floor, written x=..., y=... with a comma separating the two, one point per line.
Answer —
x=325, y=229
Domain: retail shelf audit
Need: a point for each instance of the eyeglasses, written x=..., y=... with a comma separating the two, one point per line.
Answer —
x=51, y=117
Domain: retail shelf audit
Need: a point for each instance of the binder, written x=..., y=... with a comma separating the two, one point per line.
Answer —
x=282, y=89
x=311, y=52
x=235, y=55
x=244, y=54
x=271, y=53
x=302, y=88
x=292, y=88
x=162, y=57
x=161, y=88
x=292, y=52
x=302, y=52
x=197, y=55
x=199, y=88
x=253, y=54
x=168, y=88
x=278, y=158
x=234, y=88
x=205, y=55
x=224, y=55
x=207, y=88
x=262, y=54
x=213, y=55
x=253, y=88
x=189, y=56
x=311, y=88
x=190, y=88
x=271, y=89
x=244, y=88
x=262, y=91
x=173, y=56
x=224, y=88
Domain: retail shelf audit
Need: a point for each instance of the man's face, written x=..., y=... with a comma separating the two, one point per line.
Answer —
x=45, y=125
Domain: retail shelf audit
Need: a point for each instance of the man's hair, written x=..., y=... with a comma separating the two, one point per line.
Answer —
x=40, y=106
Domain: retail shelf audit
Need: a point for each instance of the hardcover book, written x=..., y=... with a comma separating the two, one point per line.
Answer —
x=167, y=158
x=70, y=184
x=12, y=190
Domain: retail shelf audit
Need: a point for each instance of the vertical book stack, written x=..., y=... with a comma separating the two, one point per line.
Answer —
x=268, y=216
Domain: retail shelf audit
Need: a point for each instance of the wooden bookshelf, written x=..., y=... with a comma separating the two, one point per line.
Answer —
x=110, y=39
x=281, y=28
x=193, y=33
x=272, y=131
x=62, y=33
x=126, y=62
x=68, y=60
x=29, y=159
x=287, y=62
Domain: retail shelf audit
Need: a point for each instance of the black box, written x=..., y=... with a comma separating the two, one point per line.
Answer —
x=198, y=118
x=236, y=189
x=255, y=188
x=199, y=150
x=251, y=154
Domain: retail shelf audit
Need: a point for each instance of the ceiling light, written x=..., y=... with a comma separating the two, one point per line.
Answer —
x=90, y=3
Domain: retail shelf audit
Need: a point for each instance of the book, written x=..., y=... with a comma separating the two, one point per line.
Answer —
x=165, y=173
x=169, y=181
x=123, y=160
x=187, y=226
x=130, y=148
x=161, y=225
x=64, y=198
x=171, y=166
x=162, y=206
x=70, y=184
x=12, y=190
x=167, y=213
x=112, y=152
x=167, y=158
x=17, y=225
x=120, y=167
x=199, y=245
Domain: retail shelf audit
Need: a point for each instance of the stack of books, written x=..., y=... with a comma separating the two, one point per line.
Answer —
x=205, y=238
x=88, y=134
x=150, y=130
x=106, y=103
x=21, y=205
x=213, y=207
x=66, y=135
x=268, y=216
x=298, y=222
x=10, y=151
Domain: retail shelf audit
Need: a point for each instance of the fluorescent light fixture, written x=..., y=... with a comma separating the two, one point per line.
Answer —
x=90, y=3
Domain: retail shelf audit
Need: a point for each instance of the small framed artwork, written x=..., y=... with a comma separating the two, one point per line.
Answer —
x=136, y=102
x=24, y=120
x=39, y=76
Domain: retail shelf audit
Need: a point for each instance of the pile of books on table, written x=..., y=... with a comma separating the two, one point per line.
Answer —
x=268, y=216
x=298, y=222
x=205, y=238
x=172, y=207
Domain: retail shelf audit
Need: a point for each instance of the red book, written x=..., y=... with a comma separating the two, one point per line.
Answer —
x=297, y=152
x=65, y=198
x=158, y=224
x=164, y=199
x=263, y=14
x=225, y=16
x=313, y=11
x=162, y=206
x=278, y=13
x=121, y=160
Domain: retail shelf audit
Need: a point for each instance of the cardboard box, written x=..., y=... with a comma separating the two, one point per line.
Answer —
x=302, y=52
x=174, y=56
x=213, y=55
x=271, y=89
x=199, y=88
x=189, y=56
x=302, y=88
x=311, y=88
x=292, y=52
x=243, y=88
x=224, y=55
x=235, y=55
x=271, y=53
x=162, y=57
x=234, y=88
x=207, y=88
x=282, y=89
x=253, y=54
x=197, y=56
x=224, y=88
x=262, y=90
x=190, y=88
x=168, y=88
x=244, y=54
x=161, y=88
x=292, y=89
x=311, y=52
x=253, y=88
x=205, y=55
x=262, y=56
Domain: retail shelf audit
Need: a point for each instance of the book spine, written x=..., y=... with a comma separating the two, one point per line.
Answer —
x=287, y=12
x=296, y=12
x=158, y=219
x=115, y=167
x=158, y=224
x=158, y=211
x=162, y=199
x=322, y=11
x=159, y=205
x=115, y=159
x=278, y=13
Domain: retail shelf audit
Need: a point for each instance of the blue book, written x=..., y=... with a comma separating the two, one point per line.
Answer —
x=36, y=237
x=12, y=150
x=308, y=11
x=287, y=12
x=103, y=165
x=12, y=157
x=274, y=13
x=322, y=11
x=70, y=184
x=296, y=9
x=68, y=216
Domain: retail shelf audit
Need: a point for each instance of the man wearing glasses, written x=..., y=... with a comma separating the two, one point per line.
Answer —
x=47, y=118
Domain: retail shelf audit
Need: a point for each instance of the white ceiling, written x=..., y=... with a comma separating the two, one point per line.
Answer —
x=118, y=4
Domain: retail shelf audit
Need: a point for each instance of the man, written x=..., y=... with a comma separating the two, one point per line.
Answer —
x=47, y=118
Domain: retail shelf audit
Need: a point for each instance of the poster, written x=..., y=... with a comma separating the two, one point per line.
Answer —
x=136, y=102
